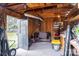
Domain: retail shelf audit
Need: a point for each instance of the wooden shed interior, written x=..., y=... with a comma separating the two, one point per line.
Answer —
x=41, y=16
x=48, y=12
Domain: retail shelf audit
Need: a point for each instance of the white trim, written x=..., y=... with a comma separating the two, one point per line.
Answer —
x=28, y=15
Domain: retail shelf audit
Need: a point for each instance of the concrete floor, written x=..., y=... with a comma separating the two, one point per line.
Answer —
x=39, y=49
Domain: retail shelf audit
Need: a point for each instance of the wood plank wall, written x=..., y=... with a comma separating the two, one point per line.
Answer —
x=2, y=18
x=46, y=26
x=33, y=26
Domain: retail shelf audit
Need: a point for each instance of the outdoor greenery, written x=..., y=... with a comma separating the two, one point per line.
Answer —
x=12, y=25
x=12, y=31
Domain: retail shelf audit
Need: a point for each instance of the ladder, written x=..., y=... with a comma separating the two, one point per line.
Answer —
x=67, y=46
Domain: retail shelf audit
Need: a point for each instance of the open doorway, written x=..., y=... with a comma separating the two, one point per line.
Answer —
x=12, y=28
x=17, y=32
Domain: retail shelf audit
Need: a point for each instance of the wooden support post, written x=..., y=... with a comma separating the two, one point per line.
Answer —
x=2, y=18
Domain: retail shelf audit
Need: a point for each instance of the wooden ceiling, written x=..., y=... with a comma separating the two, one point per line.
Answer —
x=43, y=10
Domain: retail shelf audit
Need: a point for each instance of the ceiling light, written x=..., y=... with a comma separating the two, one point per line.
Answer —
x=58, y=16
x=66, y=14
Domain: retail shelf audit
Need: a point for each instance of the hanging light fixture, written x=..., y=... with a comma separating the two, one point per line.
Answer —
x=58, y=16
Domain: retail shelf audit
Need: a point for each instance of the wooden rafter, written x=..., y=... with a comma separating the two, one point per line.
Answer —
x=12, y=4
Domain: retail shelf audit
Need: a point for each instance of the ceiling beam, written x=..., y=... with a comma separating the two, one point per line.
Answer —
x=47, y=7
x=72, y=11
x=13, y=11
x=13, y=4
x=54, y=11
x=32, y=16
x=37, y=9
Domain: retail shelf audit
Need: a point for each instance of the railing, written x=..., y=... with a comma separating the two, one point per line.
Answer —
x=10, y=41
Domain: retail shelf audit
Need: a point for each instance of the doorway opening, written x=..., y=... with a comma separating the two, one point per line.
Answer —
x=17, y=32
